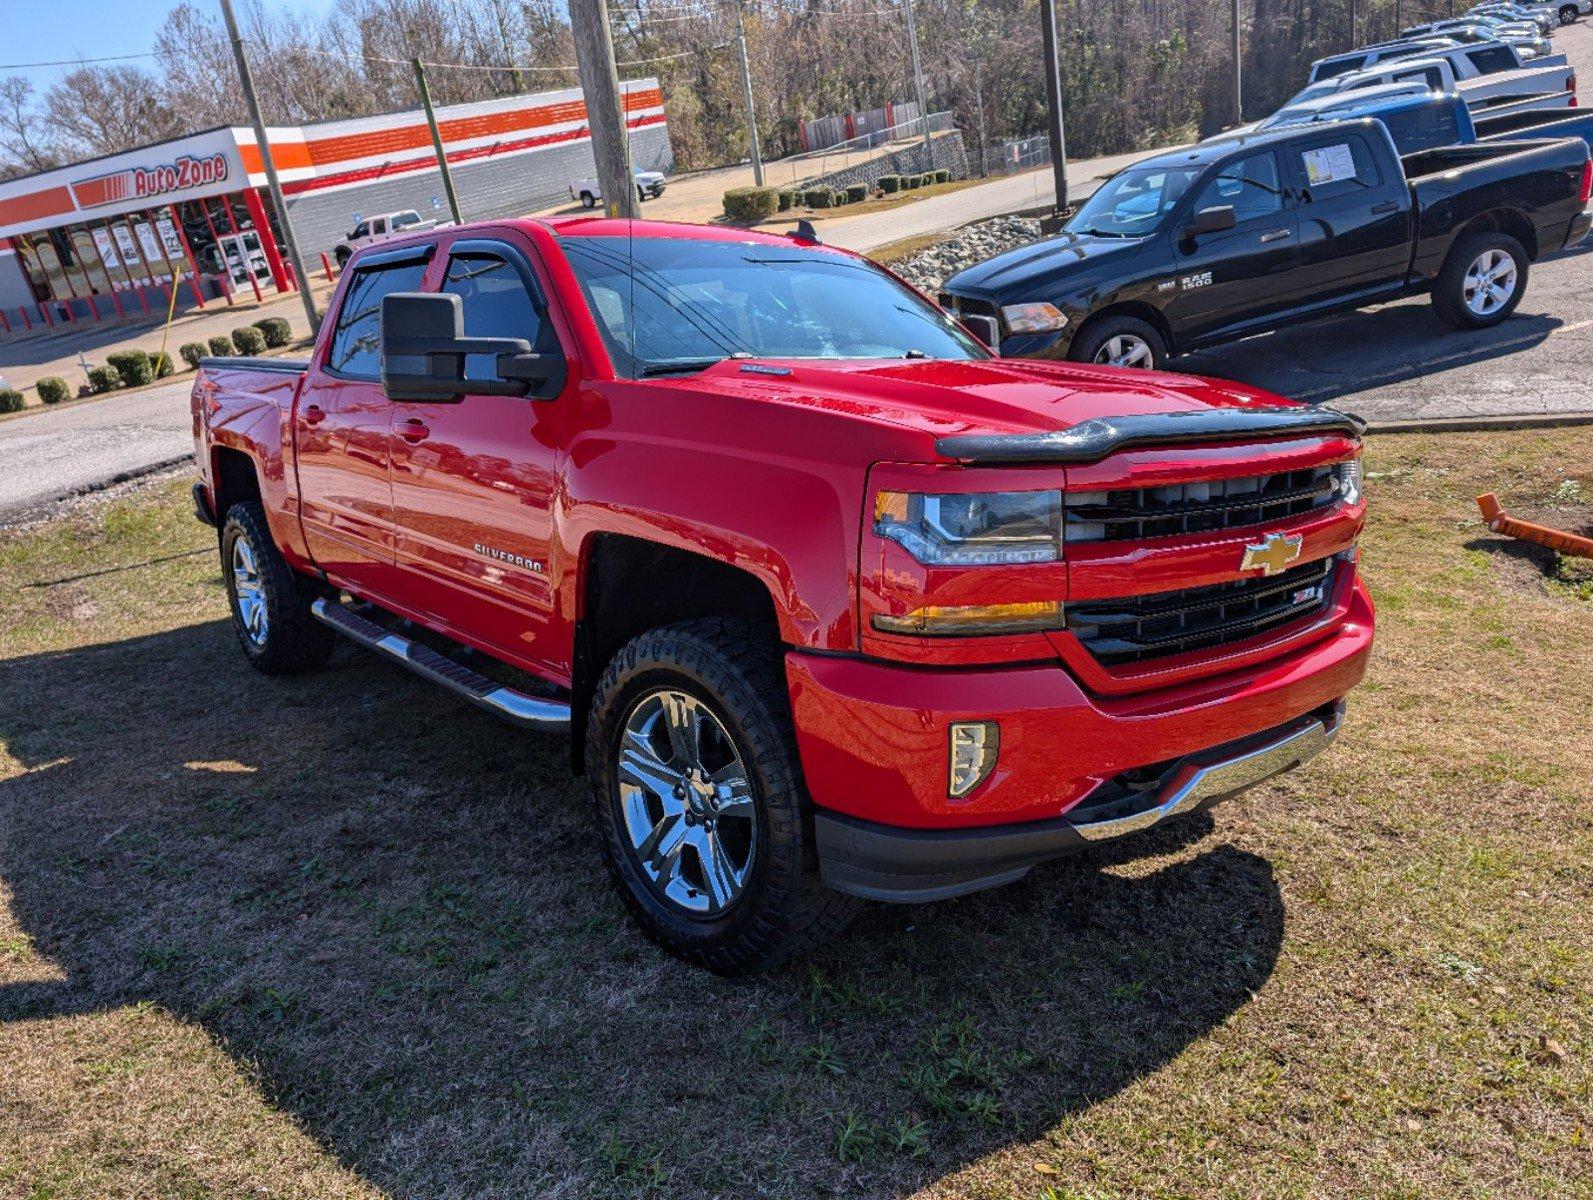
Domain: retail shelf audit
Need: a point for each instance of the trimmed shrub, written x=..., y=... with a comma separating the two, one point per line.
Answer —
x=53, y=389
x=856, y=192
x=277, y=331
x=11, y=400
x=750, y=203
x=220, y=346
x=162, y=363
x=890, y=183
x=838, y=198
x=248, y=340
x=912, y=181
x=103, y=379
x=192, y=352
x=943, y=175
x=818, y=197
x=788, y=199
x=133, y=366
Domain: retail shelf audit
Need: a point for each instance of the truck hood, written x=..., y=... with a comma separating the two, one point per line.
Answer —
x=941, y=399
x=1044, y=269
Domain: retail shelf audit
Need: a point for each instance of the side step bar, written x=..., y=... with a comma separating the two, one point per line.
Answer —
x=519, y=708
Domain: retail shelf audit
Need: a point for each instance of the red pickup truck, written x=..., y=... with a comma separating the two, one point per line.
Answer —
x=831, y=601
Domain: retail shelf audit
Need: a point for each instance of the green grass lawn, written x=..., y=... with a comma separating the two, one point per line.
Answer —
x=344, y=936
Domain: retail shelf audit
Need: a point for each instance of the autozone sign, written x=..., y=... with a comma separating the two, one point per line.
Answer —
x=135, y=183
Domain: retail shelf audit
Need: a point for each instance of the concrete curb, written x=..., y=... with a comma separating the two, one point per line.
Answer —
x=1483, y=424
x=39, y=508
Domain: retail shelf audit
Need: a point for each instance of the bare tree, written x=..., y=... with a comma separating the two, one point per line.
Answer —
x=102, y=110
x=27, y=142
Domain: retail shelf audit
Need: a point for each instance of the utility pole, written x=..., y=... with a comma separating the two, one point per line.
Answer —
x=605, y=111
x=1053, y=99
x=746, y=87
x=979, y=103
x=1352, y=23
x=1238, y=71
x=918, y=82
x=301, y=277
x=437, y=142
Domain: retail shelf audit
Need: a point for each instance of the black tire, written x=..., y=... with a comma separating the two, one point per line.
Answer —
x=588, y=200
x=1568, y=13
x=342, y=254
x=1449, y=289
x=738, y=674
x=290, y=640
x=1097, y=334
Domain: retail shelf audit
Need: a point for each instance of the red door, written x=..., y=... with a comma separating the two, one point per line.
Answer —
x=343, y=427
x=473, y=478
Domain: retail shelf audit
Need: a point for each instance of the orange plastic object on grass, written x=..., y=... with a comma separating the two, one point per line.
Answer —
x=1500, y=522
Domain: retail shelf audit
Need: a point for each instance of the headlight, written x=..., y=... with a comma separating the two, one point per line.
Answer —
x=1033, y=318
x=1350, y=481
x=970, y=529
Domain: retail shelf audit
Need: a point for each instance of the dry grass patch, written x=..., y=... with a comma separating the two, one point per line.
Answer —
x=342, y=936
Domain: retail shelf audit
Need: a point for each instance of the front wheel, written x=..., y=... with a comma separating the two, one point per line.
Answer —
x=270, y=602
x=1568, y=13
x=701, y=813
x=1481, y=282
x=1120, y=342
x=588, y=200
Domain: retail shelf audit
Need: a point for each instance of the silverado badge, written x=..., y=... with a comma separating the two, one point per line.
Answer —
x=1271, y=554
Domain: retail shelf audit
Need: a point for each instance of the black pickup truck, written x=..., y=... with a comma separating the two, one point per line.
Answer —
x=1226, y=239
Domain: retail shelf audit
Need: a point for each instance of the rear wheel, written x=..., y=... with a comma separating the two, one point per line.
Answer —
x=701, y=814
x=270, y=601
x=1120, y=342
x=1567, y=13
x=588, y=200
x=1481, y=282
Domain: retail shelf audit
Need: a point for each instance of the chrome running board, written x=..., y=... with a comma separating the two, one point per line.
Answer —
x=1197, y=782
x=519, y=708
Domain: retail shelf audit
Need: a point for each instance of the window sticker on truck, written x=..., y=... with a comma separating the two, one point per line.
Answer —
x=1328, y=164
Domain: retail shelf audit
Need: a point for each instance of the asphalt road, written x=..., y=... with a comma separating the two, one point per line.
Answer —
x=48, y=454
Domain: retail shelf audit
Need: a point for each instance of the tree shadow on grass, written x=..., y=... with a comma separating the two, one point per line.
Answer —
x=391, y=904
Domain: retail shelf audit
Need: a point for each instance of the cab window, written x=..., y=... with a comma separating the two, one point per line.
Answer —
x=496, y=303
x=363, y=229
x=405, y=219
x=1492, y=59
x=1344, y=166
x=356, y=350
x=1250, y=185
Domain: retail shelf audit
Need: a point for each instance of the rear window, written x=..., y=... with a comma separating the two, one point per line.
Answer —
x=1338, y=66
x=1493, y=59
x=1422, y=128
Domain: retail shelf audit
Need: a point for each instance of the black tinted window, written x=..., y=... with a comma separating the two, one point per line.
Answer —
x=1422, y=128
x=1250, y=185
x=357, y=340
x=1338, y=168
x=496, y=304
x=1494, y=58
x=405, y=219
x=1339, y=66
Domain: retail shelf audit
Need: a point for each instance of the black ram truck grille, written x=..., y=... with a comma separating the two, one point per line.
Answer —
x=1136, y=628
x=971, y=306
x=1131, y=514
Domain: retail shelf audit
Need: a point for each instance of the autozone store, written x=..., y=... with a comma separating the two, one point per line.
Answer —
x=113, y=236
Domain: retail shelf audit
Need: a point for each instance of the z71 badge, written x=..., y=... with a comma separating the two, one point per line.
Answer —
x=1190, y=282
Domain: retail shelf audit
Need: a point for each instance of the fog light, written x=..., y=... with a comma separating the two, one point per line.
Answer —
x=974, y=746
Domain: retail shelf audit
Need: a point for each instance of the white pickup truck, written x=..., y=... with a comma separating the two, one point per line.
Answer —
x=649, y=185
x=1480, y=74
x=379, y=228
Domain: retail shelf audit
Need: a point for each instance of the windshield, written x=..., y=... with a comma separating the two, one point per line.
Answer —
x=1316, y=91
x=1132, y=203
x=695, y=303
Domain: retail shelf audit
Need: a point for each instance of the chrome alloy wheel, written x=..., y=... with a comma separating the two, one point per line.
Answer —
x=250, y=592
x=686, y=802
x=1490, y=282
x=1125, y=350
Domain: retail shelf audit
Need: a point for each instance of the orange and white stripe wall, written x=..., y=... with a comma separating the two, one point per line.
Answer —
x=508, y=156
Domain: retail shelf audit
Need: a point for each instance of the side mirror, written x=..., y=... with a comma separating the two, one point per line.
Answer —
x=1210, y=220
x=424, y=351
x=985, y=328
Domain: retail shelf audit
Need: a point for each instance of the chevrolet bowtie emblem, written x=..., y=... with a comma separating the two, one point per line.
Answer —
x=1271, y=554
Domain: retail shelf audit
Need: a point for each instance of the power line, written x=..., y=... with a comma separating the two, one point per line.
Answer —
x=74, y=62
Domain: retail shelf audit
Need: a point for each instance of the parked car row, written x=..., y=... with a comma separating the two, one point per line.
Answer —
x=1403, y=169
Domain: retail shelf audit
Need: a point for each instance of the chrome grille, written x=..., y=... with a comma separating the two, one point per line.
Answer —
x=1137, y=628
x=1131, y=514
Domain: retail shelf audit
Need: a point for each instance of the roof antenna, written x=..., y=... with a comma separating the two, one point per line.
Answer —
x=805, y=231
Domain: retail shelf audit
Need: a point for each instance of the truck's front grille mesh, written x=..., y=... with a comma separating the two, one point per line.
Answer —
x=1130, y=514
x=1136, y=628
x=971, y=306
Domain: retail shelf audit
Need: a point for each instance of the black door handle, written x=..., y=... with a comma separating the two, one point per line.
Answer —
x=1387, y=206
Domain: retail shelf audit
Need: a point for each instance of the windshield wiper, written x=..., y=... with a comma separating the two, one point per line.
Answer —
x=1110, y=233
x=684, y=367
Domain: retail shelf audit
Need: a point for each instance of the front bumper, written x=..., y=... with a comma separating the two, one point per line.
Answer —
x=873, y=737
x=881, y=862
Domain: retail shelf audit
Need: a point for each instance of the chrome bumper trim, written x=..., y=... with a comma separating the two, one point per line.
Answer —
x=1198, y=782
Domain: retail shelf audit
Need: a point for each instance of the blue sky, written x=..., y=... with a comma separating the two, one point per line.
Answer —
x=41, y=30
